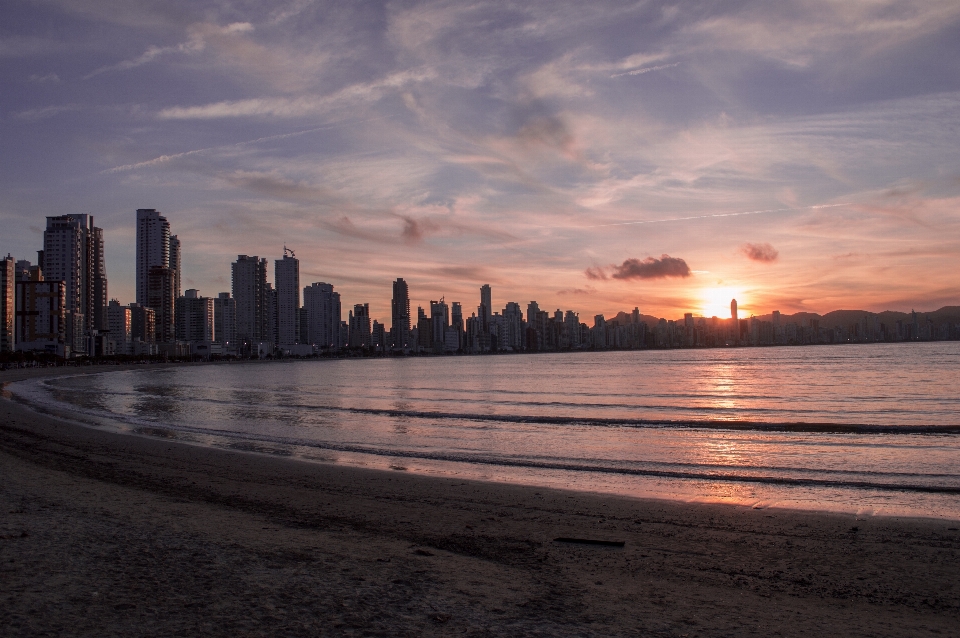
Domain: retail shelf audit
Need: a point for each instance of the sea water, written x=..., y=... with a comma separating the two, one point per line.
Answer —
x=864, y=429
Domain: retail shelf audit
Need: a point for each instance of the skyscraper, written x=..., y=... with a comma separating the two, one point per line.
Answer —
x=322, y=306
x=360, y=326
x=120, y=325
x=439, y=322
x=400, y=314
x=173, y=263
x=73, y=253
x=160, y=283
x=249, y=276
x=7, y=281
x=225, y=321
x=286, y=274
x=486, y=307
x=195, y=317
x=733, y=309
x=153, y=248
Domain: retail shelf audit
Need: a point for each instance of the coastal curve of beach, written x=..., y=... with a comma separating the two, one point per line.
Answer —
x=104, y=533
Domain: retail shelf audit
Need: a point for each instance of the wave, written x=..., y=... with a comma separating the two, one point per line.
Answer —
x=842, y=479
x=573, y=420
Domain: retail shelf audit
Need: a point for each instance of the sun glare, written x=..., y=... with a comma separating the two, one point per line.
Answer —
x=715, y=302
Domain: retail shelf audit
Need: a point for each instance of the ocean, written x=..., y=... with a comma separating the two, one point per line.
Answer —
x=864, y=429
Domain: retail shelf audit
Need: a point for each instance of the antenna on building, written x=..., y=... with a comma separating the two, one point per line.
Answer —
x=287, y=250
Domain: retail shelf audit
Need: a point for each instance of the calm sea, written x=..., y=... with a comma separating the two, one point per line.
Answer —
x=866, y=429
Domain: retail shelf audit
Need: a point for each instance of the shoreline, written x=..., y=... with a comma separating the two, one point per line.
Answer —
x=112, y=533
x=464, y=469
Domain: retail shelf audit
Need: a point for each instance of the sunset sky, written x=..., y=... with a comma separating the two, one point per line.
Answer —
x=593, y=156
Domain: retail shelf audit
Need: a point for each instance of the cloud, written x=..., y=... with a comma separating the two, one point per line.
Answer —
x=415, y=229
x=646, y=70
x=35, y=115
x=595, y=273
x=651, y=268
x=764, y=253
x=362, y=92
x=195, y=44
x=53, y=78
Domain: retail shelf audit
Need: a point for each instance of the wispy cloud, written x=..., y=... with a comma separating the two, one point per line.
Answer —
x=35, y=115
x=49, y=78
x=649, y=69
x=195, y=44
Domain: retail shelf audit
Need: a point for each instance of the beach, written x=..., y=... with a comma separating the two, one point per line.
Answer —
x=113, y=534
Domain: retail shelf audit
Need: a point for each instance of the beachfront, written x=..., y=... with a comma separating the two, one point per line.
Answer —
x=115, y=534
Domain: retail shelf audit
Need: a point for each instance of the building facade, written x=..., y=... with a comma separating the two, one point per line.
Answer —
x=249, y=280
x=286, y=276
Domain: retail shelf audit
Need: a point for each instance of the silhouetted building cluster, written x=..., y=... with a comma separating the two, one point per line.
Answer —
x=60, y=306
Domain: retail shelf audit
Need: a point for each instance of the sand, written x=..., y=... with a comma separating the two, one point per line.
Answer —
x=111, y=534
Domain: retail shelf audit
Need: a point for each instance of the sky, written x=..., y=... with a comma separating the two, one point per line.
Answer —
x=799, y=155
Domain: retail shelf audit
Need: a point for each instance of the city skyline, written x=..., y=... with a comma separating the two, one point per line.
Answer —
x=797, y=156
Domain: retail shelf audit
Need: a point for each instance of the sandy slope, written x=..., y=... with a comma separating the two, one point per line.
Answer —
x=106, y=534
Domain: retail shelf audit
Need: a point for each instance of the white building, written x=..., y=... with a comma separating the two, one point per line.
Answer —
x=153, y=248
x=286, y=277
x=323, y=314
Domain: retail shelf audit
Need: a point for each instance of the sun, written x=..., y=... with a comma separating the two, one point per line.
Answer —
x=715, y=302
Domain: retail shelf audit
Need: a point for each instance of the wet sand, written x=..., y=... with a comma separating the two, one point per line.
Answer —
x=108, y=534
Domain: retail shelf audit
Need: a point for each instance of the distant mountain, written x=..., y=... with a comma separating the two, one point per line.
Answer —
x=842, y=318
x=625, y=317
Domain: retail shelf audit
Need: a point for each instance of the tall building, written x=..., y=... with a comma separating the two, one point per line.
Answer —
x=457, y=323
x=173, y=263
x=249, y=276
x=486, y=307
x=153, y=248
x=322, y=307
x=400, y=314
x=733, y=309
x=120, y=325
x=360, y=326
x=160, y=285
x=143, y=324
x=439, y=321
x=513, y=322
x=7, y=303
x=269, y=315
x=40, y=316
x=73, y=253
x=225, y=321
x=286, y=275
x=195, y=317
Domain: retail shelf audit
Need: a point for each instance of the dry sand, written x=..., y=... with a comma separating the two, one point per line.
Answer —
x=108, y=534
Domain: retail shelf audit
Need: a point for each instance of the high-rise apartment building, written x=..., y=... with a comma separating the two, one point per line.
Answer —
x=249, y=276
x=173, y=263
x=73, y=253
x=143, y=324
x=513, y=324
x=120, y=326
x=286, y=276
x=160, y=286
x=153, y=248
x=40, y=316
x=7, y=295
x=323, y=314
x=439, y=321
x=486, y=307
x=360, y=326
x=195, y=317
x=225, y=321
x=400, y=315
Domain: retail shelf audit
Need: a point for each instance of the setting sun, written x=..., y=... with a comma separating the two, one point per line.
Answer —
x=715, y=302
